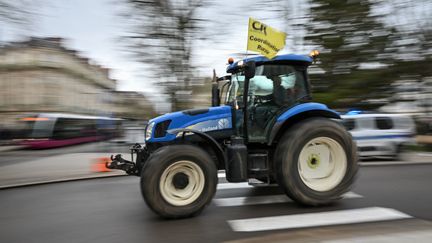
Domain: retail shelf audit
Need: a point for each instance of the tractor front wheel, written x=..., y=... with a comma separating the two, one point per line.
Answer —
x=178, y=181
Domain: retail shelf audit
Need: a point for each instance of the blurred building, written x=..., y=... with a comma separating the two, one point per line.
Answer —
x=133, y=105
x=201, y=95
x=42, y=75
x=196, y=96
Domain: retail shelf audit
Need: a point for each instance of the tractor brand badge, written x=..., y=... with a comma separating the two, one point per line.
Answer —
x=223, y=123
x=212, y=125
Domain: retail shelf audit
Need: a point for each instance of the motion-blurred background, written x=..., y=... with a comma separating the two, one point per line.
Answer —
x=100, y=69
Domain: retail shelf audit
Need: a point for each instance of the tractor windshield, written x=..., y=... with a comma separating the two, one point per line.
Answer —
x=281, y=85
x=273, y=88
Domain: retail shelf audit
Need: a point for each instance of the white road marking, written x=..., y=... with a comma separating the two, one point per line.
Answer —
x=349, y=216
x=350, y=195
x=223, y=186
x=424, y=154
x=393, y=163
x=239, y=185
x=269, y=199
x=409, y=236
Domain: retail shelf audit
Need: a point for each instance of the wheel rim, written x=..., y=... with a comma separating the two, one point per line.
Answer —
x=322, y=164
x=187, y=190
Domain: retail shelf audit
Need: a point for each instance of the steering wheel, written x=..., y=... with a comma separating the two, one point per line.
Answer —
x=261, y=99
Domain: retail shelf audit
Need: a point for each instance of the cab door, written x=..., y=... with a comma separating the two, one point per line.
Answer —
x=274, y=89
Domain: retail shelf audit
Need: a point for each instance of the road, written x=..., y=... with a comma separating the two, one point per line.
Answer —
x=112, y=210
x=25, y=155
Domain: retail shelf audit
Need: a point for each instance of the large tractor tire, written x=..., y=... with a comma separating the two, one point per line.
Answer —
x=178, y=181
x=316, y=161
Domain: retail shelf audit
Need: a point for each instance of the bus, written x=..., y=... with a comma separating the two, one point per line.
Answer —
x=52, y=130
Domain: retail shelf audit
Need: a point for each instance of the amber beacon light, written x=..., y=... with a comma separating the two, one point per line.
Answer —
x=314, y=53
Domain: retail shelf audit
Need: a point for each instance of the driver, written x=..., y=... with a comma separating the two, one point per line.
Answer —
x=285, y=89
x=261, y=86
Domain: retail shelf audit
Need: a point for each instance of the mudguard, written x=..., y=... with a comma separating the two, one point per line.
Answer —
x=297, y=113
x=213, y=143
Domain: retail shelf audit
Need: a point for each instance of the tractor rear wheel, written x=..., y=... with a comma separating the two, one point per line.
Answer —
x=178, y=181
x=316, y=161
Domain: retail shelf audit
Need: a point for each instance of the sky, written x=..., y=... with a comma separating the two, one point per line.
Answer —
x=94, y=28
x=90, y=27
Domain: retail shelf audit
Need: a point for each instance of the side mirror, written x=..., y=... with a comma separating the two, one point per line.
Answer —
x=249, y=69
x=215, y=95
x=215, y=99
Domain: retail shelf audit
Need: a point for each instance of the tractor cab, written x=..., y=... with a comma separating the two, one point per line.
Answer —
x=271, y=88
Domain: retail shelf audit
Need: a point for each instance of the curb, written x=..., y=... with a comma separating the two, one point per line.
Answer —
x=7, y=148
x=45, y=182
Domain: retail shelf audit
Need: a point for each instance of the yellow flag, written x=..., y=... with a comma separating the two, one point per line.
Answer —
x=264, y=39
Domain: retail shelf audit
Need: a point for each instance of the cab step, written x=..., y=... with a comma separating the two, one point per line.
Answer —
x=258, y=170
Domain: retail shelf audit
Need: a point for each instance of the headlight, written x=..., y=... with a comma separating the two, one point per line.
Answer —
x=149, y=131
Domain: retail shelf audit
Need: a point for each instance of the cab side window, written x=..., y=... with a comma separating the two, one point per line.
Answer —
x=383, y=123
x=349, y=124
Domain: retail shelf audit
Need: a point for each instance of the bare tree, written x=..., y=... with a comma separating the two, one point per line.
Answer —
x=16, y=11
x=162, y=37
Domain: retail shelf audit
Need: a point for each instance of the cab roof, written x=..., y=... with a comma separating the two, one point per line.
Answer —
x=259, y=60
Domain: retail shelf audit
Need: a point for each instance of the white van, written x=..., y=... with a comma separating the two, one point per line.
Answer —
x=380, y=134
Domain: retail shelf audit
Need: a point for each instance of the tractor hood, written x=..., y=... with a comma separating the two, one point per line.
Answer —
x=204, y=120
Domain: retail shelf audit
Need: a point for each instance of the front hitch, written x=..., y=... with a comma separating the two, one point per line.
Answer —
x=118, y=163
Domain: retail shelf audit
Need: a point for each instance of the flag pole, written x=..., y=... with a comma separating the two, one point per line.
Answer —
x=247, y=41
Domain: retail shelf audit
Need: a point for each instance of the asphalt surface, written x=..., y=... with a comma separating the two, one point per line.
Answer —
x=21, y=167
x=20, y=155
x=112, y=210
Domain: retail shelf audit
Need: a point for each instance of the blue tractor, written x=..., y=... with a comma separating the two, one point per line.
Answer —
x=262, y=128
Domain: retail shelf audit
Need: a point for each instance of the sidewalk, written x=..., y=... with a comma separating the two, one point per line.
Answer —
x=5, y=148
x=54, y=169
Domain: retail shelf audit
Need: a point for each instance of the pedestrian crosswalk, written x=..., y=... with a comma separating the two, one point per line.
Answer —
x=255, y=200
x=294, y=221
x=349, y=216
